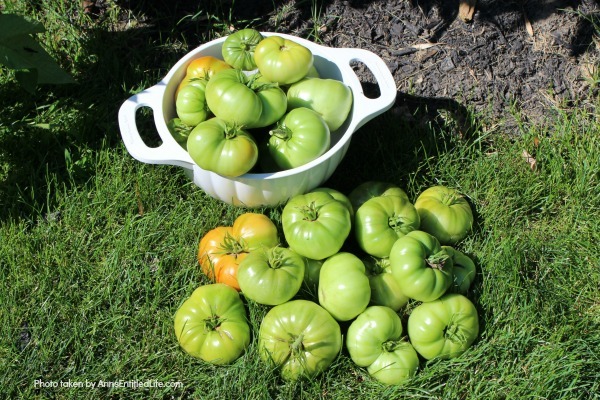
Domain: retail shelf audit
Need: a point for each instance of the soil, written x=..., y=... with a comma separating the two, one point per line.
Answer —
x=530, y=56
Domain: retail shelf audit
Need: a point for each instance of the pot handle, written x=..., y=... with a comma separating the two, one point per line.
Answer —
x=387, y=86
x=169, y=152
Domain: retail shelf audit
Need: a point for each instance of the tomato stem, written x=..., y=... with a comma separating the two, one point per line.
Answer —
x=233, y=246
x=212, y=323
x=310, y=211
x=397, y=223
x=392, y=345
x=281, y=132
x=297, y=346
x=276, y=258
x=438, y=260
x=455, y=333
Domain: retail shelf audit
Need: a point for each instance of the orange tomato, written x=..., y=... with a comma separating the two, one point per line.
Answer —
x=221, y=249
x=203, y=68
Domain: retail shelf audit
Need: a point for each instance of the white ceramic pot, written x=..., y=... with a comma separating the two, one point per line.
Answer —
x=258, y=189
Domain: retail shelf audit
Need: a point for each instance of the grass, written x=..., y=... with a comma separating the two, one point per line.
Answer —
x=97, y=250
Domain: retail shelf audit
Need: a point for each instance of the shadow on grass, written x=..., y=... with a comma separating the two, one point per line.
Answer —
x=48, y=140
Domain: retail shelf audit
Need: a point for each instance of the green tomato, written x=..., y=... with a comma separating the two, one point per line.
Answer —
x=344, y=288
x=299, y=337
x=464, y=270
x=381, y=220
x=374, y=340
x=179, y=131
x=299, y=137
x=230, y=98
x=312, y=271
x=190, y=105
x=272, y=98
x=281, y=60
x=444, y=328
x=423, y=270
x=339, y=196
x=212, y=325
x=271, y=276
x=385, y=290
x=370, y=189
x=315, y=225
x=445, y=214
x=222, y=148
x=331, y=98
x=238, y=49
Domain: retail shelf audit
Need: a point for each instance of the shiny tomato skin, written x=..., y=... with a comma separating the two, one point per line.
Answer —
x=212, y=324
x=444, y=328
x=300, y=338
x=282, y=60
x=220, y=147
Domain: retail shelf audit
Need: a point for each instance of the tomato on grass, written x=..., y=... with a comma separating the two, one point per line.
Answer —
x=381, y=220
x=212, y=324
x=375, y=340
x=445, y=214
x=423, y=270
x=444, y=328
x=300, y=338
x=315, y=224
x=344, y=288
x=221, y=249
x=271, y=276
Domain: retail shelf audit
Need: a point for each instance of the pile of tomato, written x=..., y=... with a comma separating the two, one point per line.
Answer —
x=263, y=107
x=323, y=299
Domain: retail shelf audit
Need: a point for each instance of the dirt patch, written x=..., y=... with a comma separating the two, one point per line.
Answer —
x=531, y=56
x=528, y=56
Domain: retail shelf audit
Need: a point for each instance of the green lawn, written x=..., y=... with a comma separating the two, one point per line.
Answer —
x=97, y=250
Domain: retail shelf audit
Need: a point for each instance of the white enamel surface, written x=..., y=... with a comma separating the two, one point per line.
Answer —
x=265, y=189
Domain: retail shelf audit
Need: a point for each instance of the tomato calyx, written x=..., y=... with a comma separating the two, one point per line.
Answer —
x=397, y=223
x=281, y=132
x=390, y=346
x=438, y=260
x=212, y=323
x=310, y=211
x=276, y=258
x=455, y=333
x=233, y=246
x=451, y=199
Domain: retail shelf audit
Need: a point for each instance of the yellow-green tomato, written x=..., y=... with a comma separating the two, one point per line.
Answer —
x=374, y=340
x=190, y=105
x=315, y=224
x=385, y=290
x=381, y=220
x=230, y=97
x=220, y=147
x=344, y=288
x=272, y=98
x=444, y=328
x=212, y=325
x=300, y=338
x=445, y=214
x=331, y=98
x=271, y=276
x=282, y=60
x=423, y=270
x=299, y=137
